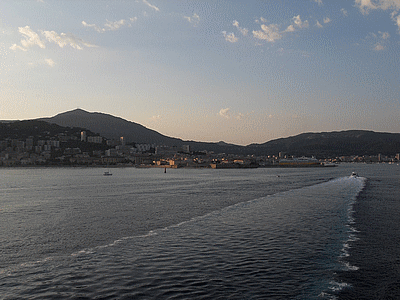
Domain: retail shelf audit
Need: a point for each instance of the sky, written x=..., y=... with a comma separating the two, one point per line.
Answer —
x=236, y=71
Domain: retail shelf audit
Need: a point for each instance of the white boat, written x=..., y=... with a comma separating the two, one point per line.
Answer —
x=107, y=173
x=354, y=175
x=329, y=164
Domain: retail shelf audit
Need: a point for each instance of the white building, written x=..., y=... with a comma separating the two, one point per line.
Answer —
x=83, y=136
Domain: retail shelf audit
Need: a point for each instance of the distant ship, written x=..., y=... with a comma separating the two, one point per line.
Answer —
x=329, y=164
x=299, y=162
x=107, y=173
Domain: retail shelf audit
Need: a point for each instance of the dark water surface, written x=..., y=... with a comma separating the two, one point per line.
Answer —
x=376, y=251
x=198, y=234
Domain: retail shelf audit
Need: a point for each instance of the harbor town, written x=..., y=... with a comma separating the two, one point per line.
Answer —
x=82, y=148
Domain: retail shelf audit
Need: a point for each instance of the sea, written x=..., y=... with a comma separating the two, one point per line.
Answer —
x=266, y=233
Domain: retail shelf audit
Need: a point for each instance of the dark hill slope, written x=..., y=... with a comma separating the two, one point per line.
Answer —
x=69, y=137
x=331, y=144
x=114, y=127
x=21, y=130
x=324, y=144
x=111, y=127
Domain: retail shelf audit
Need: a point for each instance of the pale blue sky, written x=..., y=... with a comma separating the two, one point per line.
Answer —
x=238, y=71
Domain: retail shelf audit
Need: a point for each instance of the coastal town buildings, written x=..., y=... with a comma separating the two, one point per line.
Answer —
x=83, y=148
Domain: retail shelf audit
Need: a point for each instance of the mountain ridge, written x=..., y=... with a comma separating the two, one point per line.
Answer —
x=319, y=144
x=109, y=126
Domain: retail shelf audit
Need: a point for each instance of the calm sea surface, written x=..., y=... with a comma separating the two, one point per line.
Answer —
x=312, y=233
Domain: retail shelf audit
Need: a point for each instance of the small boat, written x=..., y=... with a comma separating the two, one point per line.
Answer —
x=354, y=175
x=107, y=173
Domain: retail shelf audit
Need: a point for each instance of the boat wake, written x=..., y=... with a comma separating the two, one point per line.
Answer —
x=306, y=231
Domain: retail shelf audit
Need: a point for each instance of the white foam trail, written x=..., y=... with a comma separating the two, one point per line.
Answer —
x=346, y=245
x=361, y=181
x=83, y=252
x=338, y=286
x=9, y=271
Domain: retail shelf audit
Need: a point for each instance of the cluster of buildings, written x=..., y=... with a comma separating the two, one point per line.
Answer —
x=80, y=148
x=367, y=159
x=26, y=152
x=93, y=150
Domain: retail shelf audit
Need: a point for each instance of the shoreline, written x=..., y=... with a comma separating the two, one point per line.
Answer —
x=161, y=167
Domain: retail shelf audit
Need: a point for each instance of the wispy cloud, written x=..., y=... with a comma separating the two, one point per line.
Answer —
x=290, y=28
x=94, y=26
x=366, y=6
x=318, y=1
x=150, y=5
x=396, y=19
x=299, y=23
x=379, y=47
x=31, y=38
x=46, y=61
x=50, y=62
x=15, y=47
x=243, y=31
x=272, y=33
x=64, y=39
x=379, y=40
x=344, y=12
x=384, y=35
x=115, y=25
x=195, y=19
x=225, y=113
x=269, y=33
x=230, y=37
x=318, y=24
x=327, y=20
x=111, y=25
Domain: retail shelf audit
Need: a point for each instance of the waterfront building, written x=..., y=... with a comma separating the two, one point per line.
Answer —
x=83, y=136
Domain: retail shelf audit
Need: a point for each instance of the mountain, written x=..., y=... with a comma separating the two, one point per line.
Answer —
x=35, y=130
x=321, y=145
x=38, y=129
x=332, y=144
x=111, y=127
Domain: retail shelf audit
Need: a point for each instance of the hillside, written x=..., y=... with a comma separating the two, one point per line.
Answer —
x=332, y=144
x=37, y=129
x=111, y=127
x=324, y=144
